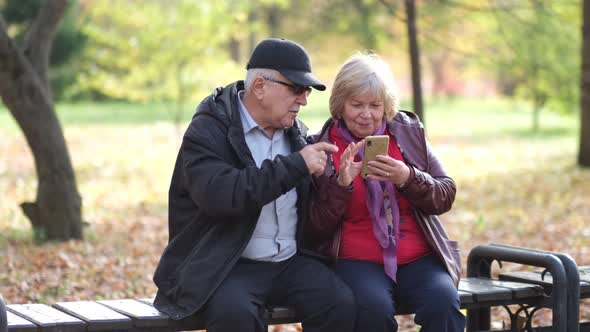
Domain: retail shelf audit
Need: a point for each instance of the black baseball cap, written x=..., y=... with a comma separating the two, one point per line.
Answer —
x=286, y=57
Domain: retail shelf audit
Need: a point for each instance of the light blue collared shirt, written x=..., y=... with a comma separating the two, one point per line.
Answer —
x=273, y=239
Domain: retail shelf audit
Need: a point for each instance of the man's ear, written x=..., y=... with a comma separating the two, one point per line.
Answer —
x=258, y=87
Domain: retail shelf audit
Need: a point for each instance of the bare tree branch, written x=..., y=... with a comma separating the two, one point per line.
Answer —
x=14, y=69
x=392, y=9
x=467, y=7
x=40, y=37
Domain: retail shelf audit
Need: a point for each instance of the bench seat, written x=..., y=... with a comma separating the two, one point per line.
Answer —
x=139, y=315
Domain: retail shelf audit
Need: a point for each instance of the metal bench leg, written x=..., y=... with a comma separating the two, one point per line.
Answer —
x=573, y=292
x=573, y=285
x=479, y=319
x=479, y=265
x=3, y=319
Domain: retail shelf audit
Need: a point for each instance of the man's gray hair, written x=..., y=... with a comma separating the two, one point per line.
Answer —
x=251, y=75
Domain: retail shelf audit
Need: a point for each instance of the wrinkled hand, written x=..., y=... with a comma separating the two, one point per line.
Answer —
x=315, y=156
x=385, y=168
x=349, y=169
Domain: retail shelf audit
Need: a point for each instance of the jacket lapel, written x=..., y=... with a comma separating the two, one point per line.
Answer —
x=235, y=133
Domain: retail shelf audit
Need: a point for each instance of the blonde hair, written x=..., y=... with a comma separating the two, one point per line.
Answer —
x=363, y=73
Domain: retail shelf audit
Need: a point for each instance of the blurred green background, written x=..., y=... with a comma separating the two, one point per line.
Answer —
x=173, y=53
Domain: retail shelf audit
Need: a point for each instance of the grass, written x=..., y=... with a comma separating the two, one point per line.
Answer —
x=457, y=117
x=514, y=187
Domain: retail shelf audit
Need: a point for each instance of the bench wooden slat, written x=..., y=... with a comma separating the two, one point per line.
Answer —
x=584, y=281
x=547, y=280
x=466, y=298
x=528, y=276
x=47, y=318
x=97, y=316
x=519, y=290
x=275, y=314
x=484, y=292
x=18, y=324
x=189, y=323
x=147, y=300
x=143, y=315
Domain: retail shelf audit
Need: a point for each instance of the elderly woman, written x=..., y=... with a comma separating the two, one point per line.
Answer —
x=383, y=231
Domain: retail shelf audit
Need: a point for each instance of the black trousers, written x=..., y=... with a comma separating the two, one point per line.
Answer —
x=320, y=298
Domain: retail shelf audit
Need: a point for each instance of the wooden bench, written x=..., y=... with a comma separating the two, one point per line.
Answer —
x=139, y=315
x=476, y=293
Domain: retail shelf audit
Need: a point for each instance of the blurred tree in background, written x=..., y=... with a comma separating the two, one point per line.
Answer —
x=67, y=46
x=168, y=53
x=177, y=51
x=56, y=213
x=159, y=53
x=537, y=53
x=584, y=151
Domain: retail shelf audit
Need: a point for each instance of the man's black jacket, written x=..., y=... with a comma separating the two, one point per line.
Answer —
x=215, y=198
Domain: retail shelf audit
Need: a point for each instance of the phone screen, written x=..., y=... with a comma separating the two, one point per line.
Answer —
x=374, y=145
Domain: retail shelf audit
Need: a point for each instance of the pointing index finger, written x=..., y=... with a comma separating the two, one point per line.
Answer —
x=326, y=147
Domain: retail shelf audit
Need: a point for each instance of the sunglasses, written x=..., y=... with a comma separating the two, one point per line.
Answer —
x=295, y=89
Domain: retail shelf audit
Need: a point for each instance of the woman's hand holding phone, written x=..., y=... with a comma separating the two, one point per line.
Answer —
x=385, y=168
x=378, y=165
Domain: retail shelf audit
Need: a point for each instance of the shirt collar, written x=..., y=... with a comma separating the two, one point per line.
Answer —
x=248, y=122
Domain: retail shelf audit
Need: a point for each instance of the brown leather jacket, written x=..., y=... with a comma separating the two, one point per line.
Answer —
x=429, y=189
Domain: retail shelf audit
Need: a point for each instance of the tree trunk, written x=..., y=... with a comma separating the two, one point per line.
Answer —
x=273, y=20
x=369, y=39
x=536, y=114
x=234, y=49
x=414, y=59
x=437, y=66
x=539, y=101
x=252, y=21
x=56, y=213
x=584, y=153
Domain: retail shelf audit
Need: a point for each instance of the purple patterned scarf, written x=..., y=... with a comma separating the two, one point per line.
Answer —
x=380, y=202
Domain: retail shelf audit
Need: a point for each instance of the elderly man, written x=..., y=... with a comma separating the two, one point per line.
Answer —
x=238, y=201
